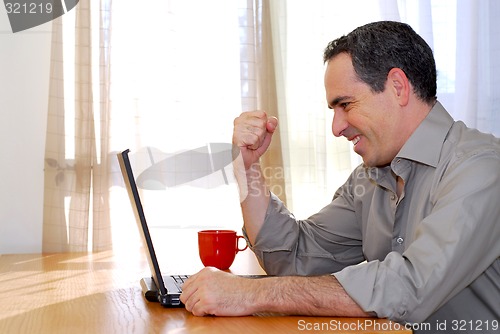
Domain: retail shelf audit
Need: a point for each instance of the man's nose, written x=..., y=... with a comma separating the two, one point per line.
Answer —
x=339, y=123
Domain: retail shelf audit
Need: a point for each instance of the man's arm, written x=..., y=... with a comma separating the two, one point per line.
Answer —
x=214, y=292
x=251, y=137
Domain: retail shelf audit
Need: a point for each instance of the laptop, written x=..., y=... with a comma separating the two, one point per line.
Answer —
x=164, y=289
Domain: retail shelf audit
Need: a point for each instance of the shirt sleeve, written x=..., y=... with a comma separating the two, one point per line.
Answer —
x=326, y=242
x=452, y=246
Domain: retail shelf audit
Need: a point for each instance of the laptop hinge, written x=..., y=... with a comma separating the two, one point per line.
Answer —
x=149, y=289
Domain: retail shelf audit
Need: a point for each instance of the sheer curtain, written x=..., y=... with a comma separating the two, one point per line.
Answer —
x=76, y=196
x=477, y=95
x=168, y=77
x=175, y=91
x=260, y=81
x=171, y=85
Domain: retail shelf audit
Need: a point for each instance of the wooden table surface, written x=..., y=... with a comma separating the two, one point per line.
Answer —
x=100, y=293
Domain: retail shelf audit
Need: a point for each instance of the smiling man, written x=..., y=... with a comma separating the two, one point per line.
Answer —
x=413, y=233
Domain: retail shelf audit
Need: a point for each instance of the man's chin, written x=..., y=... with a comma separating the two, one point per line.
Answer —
x=366, y=161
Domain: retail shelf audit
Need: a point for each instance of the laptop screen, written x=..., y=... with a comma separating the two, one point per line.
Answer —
x=131, y=186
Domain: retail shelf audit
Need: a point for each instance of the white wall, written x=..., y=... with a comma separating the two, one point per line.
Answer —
x=24, y=71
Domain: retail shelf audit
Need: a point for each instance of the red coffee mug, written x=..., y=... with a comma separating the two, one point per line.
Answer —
x=218, y=247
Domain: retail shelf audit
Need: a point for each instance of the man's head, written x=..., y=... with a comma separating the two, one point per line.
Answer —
x=378, y=47
x=381, y=83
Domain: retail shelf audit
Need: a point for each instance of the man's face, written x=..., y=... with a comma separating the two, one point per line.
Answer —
x=369, y=120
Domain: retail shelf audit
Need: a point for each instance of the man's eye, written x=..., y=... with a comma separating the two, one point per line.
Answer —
x=344, y=104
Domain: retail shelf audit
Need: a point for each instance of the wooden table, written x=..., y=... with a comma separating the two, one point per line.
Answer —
x=100, y=293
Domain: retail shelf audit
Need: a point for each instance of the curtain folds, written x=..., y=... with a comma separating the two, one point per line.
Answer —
x=76, y=186
x=56, y=168
x=477, y=97
x=265, y=86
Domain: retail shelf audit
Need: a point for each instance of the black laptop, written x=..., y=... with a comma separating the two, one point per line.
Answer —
x=164, y=289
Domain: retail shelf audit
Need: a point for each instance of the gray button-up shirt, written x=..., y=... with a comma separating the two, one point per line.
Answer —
x=430, y=255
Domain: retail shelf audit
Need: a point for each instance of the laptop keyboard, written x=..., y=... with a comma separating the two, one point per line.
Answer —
x=179, y=280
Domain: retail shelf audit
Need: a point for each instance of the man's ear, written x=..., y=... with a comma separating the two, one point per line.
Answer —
x=398, y=82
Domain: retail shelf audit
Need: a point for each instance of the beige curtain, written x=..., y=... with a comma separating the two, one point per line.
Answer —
x=260, y=85
x=76, y=198
x=79, y=170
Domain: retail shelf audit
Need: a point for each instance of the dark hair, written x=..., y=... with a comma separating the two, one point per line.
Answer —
x=378, y=47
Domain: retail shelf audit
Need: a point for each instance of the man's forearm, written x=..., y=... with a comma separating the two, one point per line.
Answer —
x=254, y=197
x=301, y=295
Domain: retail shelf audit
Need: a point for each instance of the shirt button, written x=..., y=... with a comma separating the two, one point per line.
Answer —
x=393, y=197
x=400, y=240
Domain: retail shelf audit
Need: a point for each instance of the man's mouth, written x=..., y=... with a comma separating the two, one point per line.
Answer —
x=355, y=140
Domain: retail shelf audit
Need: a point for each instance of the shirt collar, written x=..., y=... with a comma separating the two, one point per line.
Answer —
x=425, y=144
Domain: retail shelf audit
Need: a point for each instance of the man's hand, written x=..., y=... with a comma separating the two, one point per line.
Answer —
x=252, y=135
x=215, y=292
x=251, y=138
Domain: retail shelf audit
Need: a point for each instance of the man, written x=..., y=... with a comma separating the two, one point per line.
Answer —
x=411, y=236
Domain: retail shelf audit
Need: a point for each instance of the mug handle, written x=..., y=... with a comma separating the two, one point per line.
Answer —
x=238, y=244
